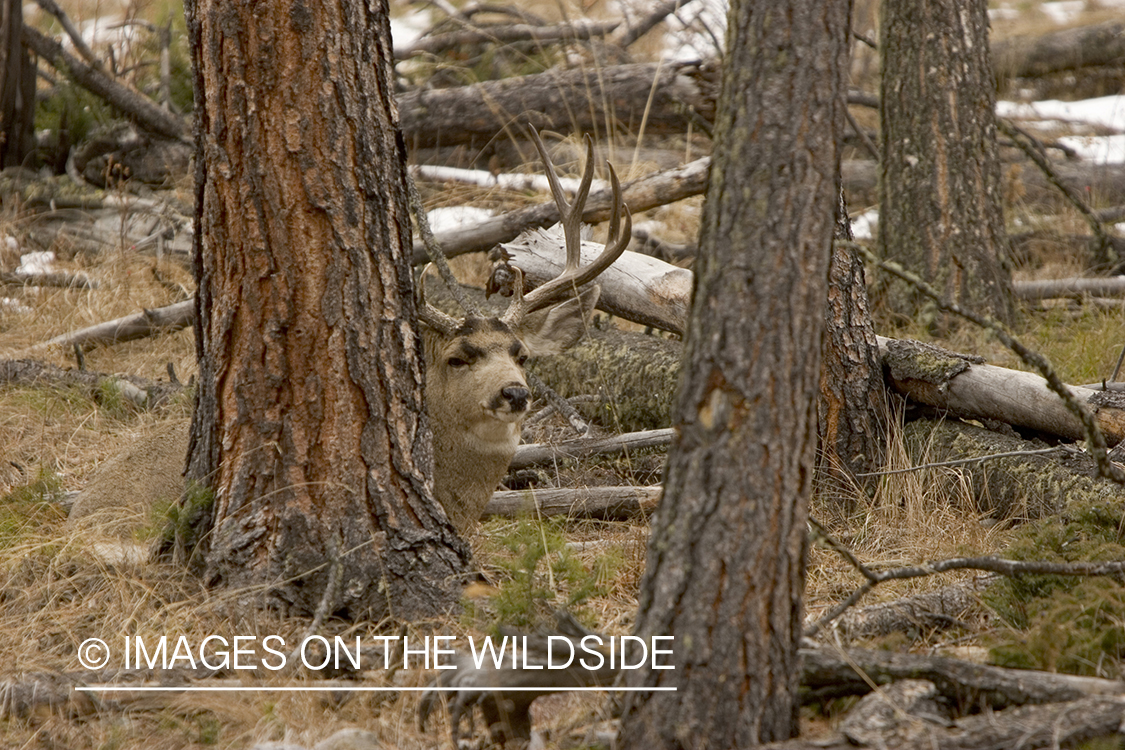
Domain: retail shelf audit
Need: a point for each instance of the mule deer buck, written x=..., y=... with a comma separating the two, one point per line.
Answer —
x=477, y=394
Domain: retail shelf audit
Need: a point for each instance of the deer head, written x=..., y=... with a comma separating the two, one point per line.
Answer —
x=476, y=386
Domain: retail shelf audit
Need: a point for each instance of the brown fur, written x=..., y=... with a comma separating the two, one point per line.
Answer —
x=475, y=429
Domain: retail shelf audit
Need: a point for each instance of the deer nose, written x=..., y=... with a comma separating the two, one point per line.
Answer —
x=516, y=396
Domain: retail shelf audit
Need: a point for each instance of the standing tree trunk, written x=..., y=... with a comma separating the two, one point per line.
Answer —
x=725, y=568
x=939, y=207
x=17, y=89
x=308, y=424
x=852, y=404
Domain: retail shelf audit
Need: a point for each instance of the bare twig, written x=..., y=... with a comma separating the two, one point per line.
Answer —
x=963, y=461
x=72, y=31
x=635, y=31
x=987, y=564
x=1024, y=141
x=862, y=134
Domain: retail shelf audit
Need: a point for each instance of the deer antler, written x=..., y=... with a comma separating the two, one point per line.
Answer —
x=444, y=324
x=570, y=216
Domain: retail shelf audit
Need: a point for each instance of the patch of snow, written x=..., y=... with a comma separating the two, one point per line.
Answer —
x=696, y=32
x=1063, y=11
x=10, y=242
x=452, y=218
x=1099, y=149
x=7, y=304
x=408, y=27
x=1104, y=111
x=37, y=262
x=863, y=226
x=1003, y=13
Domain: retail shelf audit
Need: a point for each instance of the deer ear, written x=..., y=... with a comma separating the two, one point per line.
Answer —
x=558, y=328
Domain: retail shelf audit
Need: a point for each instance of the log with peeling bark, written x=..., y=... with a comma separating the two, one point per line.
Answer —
x=1017, y=484
x=973, y=390
x=141, y=391
x=604, y=503
x=564, y=101
x=635, y=375
x=1057, y=51
x=933, y=610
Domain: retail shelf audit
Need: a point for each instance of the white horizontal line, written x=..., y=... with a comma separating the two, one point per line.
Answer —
x=357, y=689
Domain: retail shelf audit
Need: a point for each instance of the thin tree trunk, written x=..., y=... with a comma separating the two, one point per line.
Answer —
x=17, y=89
x=852, y=404
x=725, y=567
x=308, y=424
x=940, y=204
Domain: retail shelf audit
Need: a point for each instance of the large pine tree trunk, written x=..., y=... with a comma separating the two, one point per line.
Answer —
x=725, y=568
x=939, y=207
x=308, y=425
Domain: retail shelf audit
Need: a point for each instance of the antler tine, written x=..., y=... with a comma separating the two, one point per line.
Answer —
x=573, y=277
x=570, y=214
x=430, y=315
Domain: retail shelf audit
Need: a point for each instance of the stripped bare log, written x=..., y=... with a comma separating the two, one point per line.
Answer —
x=638, y=287
x=657, y=189
x=604, y=503
x=136, y=326
x=537, y=453
x=1072, y=287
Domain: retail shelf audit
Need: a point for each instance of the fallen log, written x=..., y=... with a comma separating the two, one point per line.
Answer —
x=657, y=189
x=136, y=326
x=539, y=453
x=135, y=105
x=1072, y=287
x=638, y=287
x=141, y=391
x=933, y=610
x=1014, y=486
x=973, y=390
x=562, y=100
x=1058, y=51
x=603, y=503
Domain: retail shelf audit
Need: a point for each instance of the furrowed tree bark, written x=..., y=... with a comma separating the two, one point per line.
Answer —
x=852, y=406
x=725, y=567
x=17, y=90
x=940, y=202
x=309, y=424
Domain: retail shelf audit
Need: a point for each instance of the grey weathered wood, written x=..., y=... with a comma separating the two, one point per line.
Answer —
x=537, y=453
x=1057, y=51
x=135, y=326
x=606, y=503
x=636, y=286
x=1072, y=287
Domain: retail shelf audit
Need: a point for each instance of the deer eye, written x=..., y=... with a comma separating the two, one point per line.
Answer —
x=457, y=362
x=521, y=360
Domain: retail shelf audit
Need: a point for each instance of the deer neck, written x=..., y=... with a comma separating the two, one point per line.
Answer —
x=469, y=465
